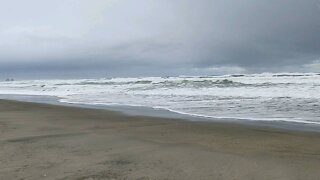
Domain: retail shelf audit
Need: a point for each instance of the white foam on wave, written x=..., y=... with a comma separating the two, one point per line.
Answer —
x=268, y=97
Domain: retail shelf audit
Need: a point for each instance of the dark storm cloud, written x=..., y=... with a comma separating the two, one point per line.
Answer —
x=264, y=33
x=153, y=37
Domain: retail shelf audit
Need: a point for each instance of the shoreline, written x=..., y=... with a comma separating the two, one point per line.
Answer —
x=165, y=113
x=43, y=141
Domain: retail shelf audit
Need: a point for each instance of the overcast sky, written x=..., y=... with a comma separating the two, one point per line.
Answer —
x=98, y=38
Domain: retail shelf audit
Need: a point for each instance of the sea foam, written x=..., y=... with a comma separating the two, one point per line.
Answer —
x=275, y=97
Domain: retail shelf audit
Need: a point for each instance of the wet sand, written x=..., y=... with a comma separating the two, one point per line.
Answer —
x=39, y=141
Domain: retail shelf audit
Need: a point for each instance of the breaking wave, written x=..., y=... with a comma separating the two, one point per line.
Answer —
x=282, y=96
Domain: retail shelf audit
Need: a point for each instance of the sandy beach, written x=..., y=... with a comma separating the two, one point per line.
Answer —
x=40, y=141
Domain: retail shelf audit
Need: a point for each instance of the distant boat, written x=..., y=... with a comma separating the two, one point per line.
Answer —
x=9, y=79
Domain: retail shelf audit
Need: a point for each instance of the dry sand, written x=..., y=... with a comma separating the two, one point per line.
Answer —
x=39, y=141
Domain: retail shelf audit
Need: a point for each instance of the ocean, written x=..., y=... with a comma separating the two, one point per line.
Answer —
x=290, y=97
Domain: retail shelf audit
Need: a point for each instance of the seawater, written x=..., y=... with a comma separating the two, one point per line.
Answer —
x=292, y=97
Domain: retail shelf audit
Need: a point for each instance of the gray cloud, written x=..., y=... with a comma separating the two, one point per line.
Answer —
x=157, y=37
